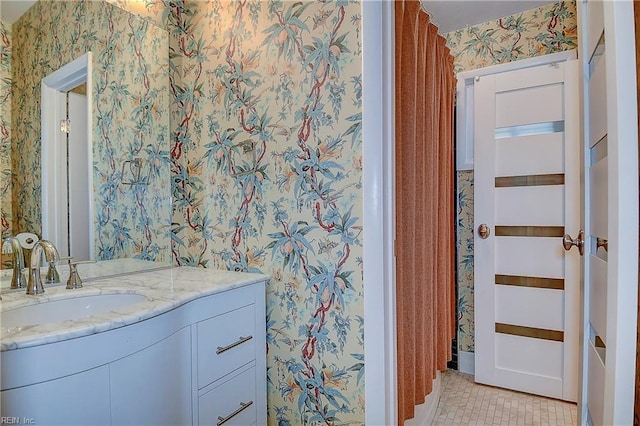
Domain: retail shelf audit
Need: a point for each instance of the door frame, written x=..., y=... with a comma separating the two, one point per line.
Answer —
x=378, y=129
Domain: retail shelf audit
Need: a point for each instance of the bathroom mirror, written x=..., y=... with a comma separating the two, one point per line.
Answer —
x=129, y=101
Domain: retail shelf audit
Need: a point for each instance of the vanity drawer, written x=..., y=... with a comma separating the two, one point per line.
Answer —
x=225, y=342
x=233, y=401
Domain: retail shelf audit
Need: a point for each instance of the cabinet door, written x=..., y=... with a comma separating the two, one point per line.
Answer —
x=153, y=386
x=79, y=399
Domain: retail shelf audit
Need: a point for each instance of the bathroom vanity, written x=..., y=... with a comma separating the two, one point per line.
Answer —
x=177, y=346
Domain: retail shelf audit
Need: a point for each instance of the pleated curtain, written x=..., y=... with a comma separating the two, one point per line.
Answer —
x=636, y=417
x=425, y=200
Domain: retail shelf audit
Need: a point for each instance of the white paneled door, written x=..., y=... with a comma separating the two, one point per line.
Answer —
x=611, y=212
x=527, y=197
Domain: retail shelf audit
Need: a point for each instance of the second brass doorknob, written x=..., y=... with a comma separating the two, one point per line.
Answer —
x=568, y=242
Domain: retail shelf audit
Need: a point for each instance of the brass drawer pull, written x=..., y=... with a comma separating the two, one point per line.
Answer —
x=240, y=341
x=243, y=406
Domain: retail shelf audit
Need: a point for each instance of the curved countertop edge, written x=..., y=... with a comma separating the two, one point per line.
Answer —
x=164, y=289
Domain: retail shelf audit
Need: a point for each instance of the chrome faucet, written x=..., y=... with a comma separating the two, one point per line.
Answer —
x=12, y=243
x=51, y=255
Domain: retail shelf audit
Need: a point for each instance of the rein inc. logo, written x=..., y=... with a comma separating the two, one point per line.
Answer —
x=17, y=421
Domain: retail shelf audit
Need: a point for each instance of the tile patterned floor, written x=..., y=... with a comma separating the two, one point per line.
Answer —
x=463, y=402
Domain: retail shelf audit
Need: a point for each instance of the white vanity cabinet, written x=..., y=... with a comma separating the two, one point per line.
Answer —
x=232, y=400
x=79, y=399
x=153, y=386
x=227, y=368
x=203, y=362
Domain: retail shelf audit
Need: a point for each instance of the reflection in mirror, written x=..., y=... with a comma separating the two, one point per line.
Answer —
x=128, y=103
x=66, y=155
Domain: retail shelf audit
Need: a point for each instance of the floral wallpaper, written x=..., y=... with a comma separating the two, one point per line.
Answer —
x=267, y=177
x=154, y=11
x=548, y=29
x=465, y=261
x=131, y=102
x=6, y=214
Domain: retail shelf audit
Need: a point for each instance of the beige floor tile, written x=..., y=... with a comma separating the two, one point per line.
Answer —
x=463, y=402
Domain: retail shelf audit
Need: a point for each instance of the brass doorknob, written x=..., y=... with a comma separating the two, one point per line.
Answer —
x=484, y=231
x=568, y=242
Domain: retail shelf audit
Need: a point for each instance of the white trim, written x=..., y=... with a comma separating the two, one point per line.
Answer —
x=567, y=55
x=583, y=373
x=379, y=213
x=622, y=214
x=426, y=412
x=464, y=126
x=464, y=105
x=572, y=220
x=67, y=77
x=622, y=273
x=466, y=362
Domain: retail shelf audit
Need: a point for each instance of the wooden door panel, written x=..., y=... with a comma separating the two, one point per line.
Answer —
x=598, y=296
x=524, y=206
x=541, y=358
x=523, y=106
x=595, y=395
x=595, y=24
x=524, y=305
x=599, y=199
x=598, y=101
x=521, y=79
x=529, y=257
x=530, y=155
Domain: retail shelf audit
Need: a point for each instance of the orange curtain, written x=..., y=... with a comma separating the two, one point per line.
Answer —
x=636, y=417
x=425, y=215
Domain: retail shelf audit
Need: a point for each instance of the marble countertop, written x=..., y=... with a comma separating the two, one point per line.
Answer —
x=89, y=271
x=164, y=289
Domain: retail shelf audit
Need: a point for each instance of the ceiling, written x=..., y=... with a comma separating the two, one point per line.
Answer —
x=11, y=10
x=449, y=15
x=452, y=15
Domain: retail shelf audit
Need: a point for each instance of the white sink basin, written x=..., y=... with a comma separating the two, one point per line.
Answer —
x=66, y=309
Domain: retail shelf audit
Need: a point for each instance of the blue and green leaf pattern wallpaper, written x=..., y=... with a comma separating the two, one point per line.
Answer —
x=282, y=81
x=6, y=183
x=131, y=112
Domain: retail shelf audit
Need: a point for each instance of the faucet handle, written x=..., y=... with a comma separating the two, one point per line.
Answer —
x=52, y=274
x=6, y=246
x=34, y=285
x=74, y=280
x=12, y=245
